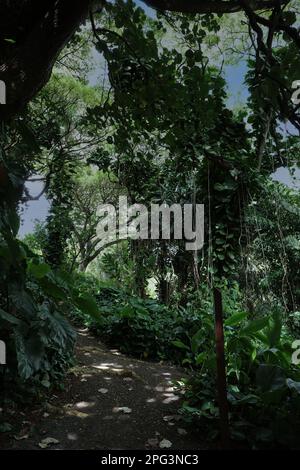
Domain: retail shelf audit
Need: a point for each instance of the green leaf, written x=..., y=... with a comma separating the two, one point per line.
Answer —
x=196, y=341
x=270, y=378
x=200, y=358
x=87, y=305
x=274, y=333
x=236, y=319
x=9, y=318
x=255, y=325
x=10, y=41
x=179, y=344
x=292, y=385
x=45, y=383
x=247, y=399
x=52, y=289
x=38, y=270
x=253, y=354
x=5, y=427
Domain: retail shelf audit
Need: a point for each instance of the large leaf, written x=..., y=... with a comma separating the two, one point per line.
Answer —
x=274, y=332
x=38, y=270
x=52, y=288
x=236, y=319
x=87, y=305
x=196, y=341
x=255, y=326
x=270, y=378
x=23, y=301
x=179, y=344
x=62, y=332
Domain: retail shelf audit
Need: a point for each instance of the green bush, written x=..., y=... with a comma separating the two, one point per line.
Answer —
x=38, y=337
x=141, y=327
x=263, y=384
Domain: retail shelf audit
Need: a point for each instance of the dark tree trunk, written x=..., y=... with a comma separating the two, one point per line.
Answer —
x=164, y=291
x=27, y=67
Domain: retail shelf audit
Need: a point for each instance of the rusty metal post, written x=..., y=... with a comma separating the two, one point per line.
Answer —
x=221, y=368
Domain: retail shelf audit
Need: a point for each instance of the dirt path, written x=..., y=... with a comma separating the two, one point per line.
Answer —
x=110, y=402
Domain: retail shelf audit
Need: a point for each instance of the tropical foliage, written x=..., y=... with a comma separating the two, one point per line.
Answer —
x=138, y=106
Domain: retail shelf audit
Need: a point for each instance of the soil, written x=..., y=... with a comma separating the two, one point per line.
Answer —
x=110, y=401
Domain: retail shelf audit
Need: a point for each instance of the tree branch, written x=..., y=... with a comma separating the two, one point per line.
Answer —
x=207, y=6
x=29, y=65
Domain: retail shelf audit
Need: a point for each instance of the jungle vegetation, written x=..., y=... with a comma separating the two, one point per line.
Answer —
x=106, y=100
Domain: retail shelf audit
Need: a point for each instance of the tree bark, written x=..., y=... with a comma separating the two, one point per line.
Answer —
x=28, y=67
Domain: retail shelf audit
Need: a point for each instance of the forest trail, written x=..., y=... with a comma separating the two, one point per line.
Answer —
x=110, y=401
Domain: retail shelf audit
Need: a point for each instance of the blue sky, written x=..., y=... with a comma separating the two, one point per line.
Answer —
x=148, y=10
x=235, y=76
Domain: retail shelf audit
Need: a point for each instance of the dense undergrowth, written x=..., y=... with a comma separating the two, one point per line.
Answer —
x=39, y=338
x=263, y=384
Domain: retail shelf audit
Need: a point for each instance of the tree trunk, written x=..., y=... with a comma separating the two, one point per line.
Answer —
x=28, y=67
x=164, y=291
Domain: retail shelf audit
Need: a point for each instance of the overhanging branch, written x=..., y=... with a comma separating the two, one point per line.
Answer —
x=207, y=6
x=29, y=66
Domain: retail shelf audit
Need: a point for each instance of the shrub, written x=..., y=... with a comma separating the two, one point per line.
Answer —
x=263, y=384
